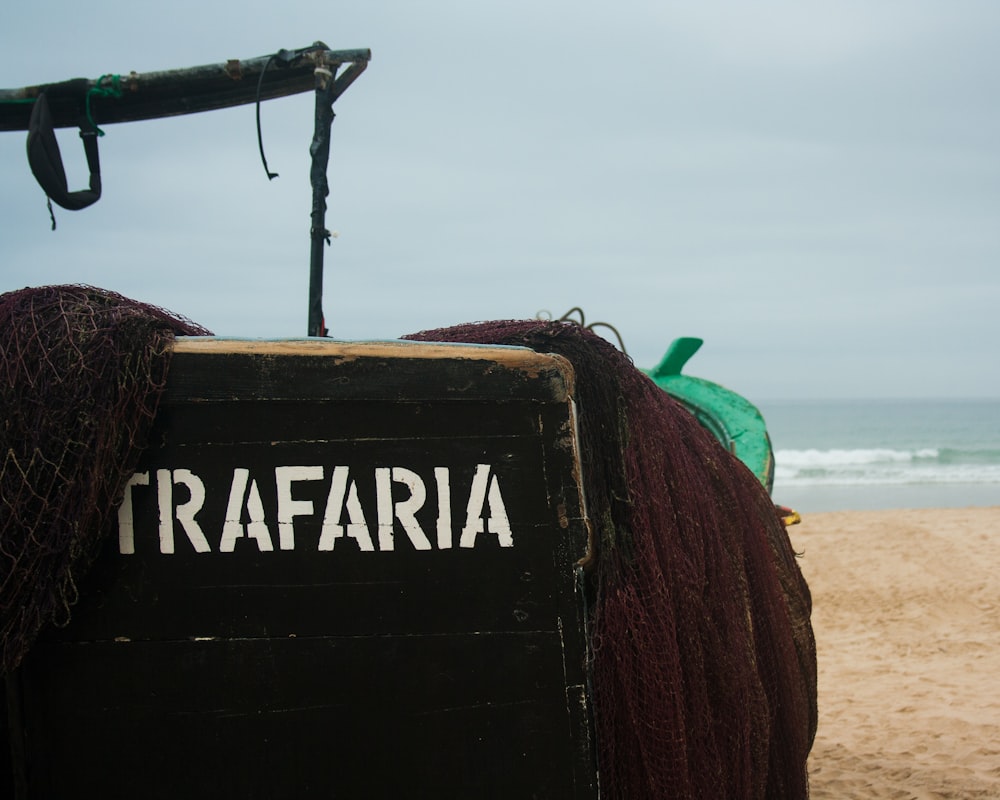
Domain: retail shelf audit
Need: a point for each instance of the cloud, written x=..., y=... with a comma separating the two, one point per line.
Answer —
x=808, y=186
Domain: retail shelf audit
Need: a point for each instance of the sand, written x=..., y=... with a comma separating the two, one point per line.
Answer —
x=906, y=611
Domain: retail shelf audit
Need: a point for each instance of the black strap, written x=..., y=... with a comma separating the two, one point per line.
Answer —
x=260, y=137
x=46, y=160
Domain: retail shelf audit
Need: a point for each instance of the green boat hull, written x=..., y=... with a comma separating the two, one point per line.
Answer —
x=731, y=418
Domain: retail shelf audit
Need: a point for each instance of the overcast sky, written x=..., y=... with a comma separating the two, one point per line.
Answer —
x=811, y=187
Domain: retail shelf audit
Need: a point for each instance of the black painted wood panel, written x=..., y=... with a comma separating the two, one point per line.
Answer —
x=340, y=572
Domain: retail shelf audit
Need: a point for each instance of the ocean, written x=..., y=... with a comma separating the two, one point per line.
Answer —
x=833, y=455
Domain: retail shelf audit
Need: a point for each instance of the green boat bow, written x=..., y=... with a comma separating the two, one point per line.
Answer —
x=731, y=418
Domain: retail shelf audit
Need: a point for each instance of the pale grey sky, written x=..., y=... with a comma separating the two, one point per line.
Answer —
x=812, y=187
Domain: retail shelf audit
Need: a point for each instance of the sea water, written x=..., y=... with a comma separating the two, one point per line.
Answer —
x=867, y=454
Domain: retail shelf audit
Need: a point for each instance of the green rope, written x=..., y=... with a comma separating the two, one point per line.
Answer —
x=114, y=90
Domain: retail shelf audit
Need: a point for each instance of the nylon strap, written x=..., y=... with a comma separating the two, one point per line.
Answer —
x=47, y=164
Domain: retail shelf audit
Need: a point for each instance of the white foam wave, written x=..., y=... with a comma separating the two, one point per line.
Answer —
x=814, y=467
x=834, y=458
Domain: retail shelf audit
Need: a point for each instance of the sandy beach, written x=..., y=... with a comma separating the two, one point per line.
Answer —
x=906, y=611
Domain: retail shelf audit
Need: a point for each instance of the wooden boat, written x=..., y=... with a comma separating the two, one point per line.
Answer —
x=333, y=574
x=340, y=569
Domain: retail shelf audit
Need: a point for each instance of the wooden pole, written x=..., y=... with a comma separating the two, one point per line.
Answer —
x=320, y=236
x=329, y=87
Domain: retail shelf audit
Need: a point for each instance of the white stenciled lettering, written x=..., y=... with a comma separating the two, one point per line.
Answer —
x=443, y=481
x=185, y=512
x=400, y=496
x=288, y=508
x=403, y=510
x=486, y=491
x=126, y=517
x=165, y=504
x=383, y=507
x=406, y=510
x=244, y=494
x=357, y=526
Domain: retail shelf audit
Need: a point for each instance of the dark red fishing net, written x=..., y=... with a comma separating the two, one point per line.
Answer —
x=704, y=662
x=703, y=656
x=81, y=373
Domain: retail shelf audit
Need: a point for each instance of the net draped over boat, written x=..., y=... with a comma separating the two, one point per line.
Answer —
x=703, y=660
x=82, y=370
x=703, y=657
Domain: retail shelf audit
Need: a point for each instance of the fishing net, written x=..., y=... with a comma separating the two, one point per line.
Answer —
x=703, y=661
x=81, y=373
x=703, y=657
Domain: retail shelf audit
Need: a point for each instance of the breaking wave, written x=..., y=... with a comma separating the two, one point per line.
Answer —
x=886, y=466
